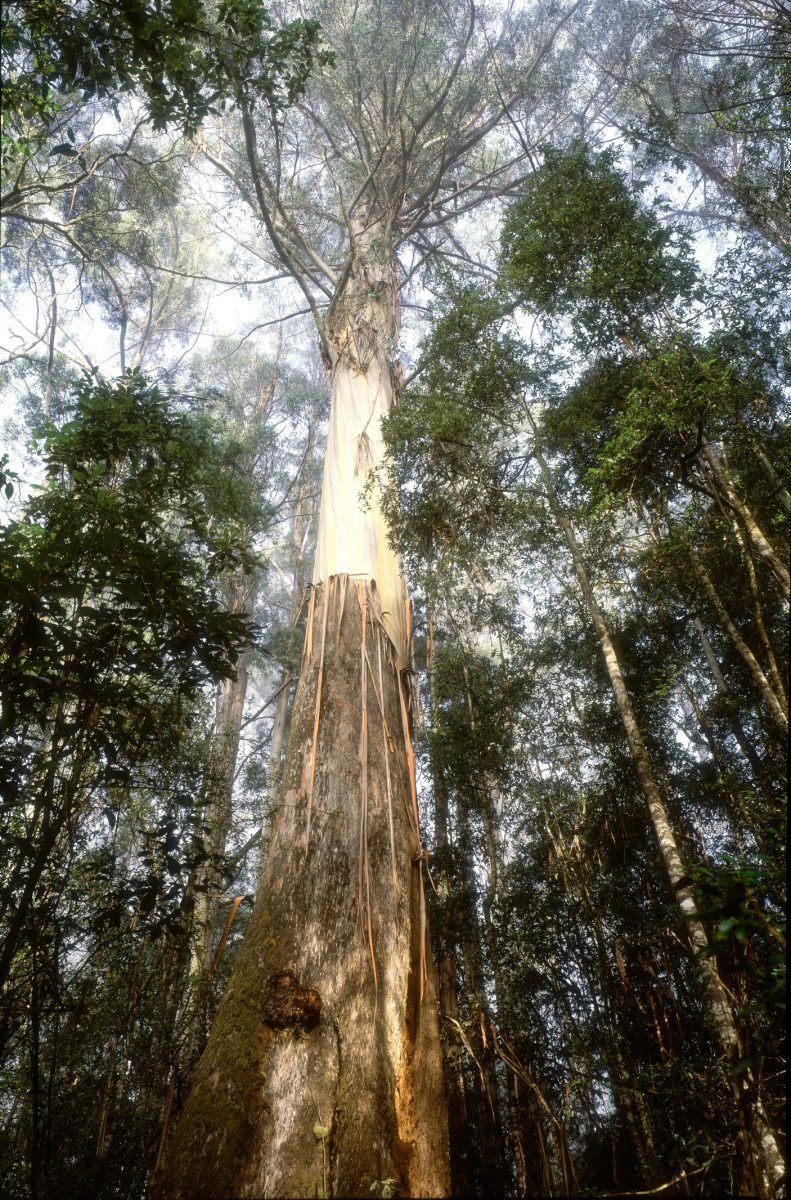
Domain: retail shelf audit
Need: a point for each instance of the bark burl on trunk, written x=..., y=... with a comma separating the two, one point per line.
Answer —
x=323, y=1074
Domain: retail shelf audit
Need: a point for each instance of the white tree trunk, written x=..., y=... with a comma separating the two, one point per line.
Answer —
x=322, y=1075
x=352, y=535
x=750, y=661
x=755, y=533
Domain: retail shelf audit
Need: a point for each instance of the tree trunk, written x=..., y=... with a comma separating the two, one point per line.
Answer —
x=774, y=670
x=759, y=540
x=763, y=1145
x=486, y=1158
x=362, y=333
x=773, y=478
x=219, y=811
x=460, y=1142
x=750, y=661
x=299, y=535
x=322, y=1075
x=747, y=749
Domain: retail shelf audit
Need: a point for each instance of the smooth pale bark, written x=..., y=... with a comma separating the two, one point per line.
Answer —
x=711, y=658
x=316, y=1080
x=747, y=749
x=754, y=531
x=748, y=658
x=774, y=670
x=362, y=334
x=774, y=479
x=764, y=1145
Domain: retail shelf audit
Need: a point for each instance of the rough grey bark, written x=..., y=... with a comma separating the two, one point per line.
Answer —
x=322, y=1075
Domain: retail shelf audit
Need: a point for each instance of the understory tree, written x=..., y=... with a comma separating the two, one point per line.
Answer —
x=660, y=437
x=113, y=625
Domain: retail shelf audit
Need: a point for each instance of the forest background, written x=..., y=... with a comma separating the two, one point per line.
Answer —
x=586, y=475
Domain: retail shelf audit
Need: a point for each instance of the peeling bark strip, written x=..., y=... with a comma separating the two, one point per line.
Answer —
x=301, y=1028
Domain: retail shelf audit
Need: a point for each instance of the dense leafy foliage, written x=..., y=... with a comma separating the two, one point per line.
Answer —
x=578, y=242
x=654, y=441
x=113, y=624
x=183, y=59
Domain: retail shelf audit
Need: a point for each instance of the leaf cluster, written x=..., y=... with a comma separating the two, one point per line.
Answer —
x=450, y=435
x=108, y=594
x=185, y=58
x=578, y=243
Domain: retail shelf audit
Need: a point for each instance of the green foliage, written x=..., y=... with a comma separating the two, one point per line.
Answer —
x=7, y=478
x=137, y=515
x=747, y=935
x=746, y=307
x=578, y=243
x=634, y=427
x=111, y=616
x=709, y=97
x=570, y=927
x=185, y=59
x=113, y=626
x=449, y=437
x=549, y=889
x=475, y=700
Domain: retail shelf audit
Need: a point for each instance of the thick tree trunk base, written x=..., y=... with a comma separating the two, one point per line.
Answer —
x=323, y=1072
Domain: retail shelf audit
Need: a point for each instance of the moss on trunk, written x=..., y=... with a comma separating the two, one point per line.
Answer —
x=323, y=1074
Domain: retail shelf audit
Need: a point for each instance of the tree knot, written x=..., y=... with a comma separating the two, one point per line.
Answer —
x=287, y=1005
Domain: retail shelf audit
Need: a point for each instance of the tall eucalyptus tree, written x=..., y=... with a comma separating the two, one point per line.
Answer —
x=323, y=1069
